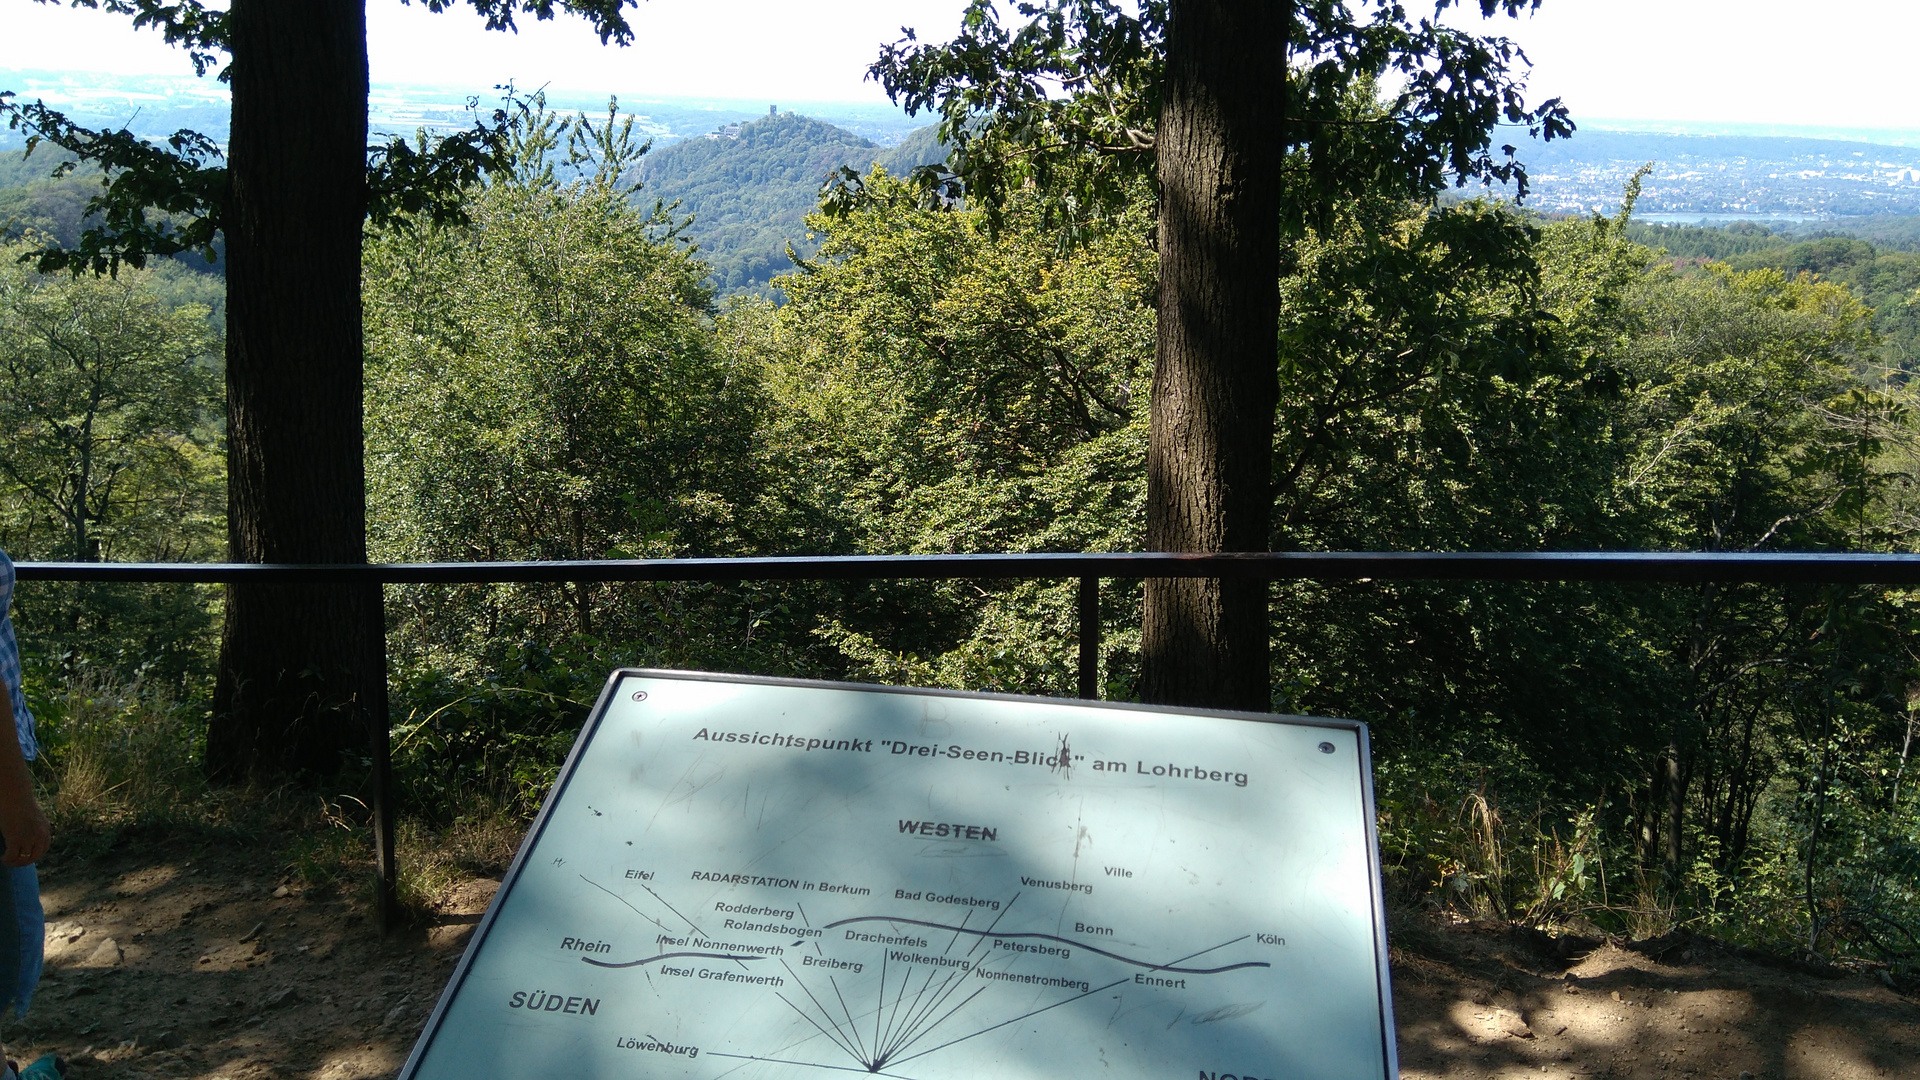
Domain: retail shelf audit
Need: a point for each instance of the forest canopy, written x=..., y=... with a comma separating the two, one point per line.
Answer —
x=549, y=374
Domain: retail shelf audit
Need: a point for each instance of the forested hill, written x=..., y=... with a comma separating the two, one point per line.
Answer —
x=749, y=187
x=1884, y=277
x=30, y=199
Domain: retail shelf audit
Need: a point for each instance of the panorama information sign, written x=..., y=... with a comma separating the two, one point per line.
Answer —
x=755, y=878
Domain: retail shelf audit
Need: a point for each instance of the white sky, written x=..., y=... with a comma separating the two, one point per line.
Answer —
x=1837, y=62
x=796, y=50
x=1844, y=63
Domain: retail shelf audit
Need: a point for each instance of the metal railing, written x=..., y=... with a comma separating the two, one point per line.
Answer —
x=1768, y=567
x=1089, y=568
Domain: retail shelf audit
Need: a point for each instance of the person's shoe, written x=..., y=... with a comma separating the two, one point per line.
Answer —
x=47, y=1067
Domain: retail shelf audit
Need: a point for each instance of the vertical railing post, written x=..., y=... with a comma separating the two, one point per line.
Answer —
x=1090, y=638
x=387, y=885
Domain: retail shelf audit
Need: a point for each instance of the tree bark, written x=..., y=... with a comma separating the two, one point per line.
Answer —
x=299, y=676
x=1673, y=848
x=1647, y=817
x=1209, y=473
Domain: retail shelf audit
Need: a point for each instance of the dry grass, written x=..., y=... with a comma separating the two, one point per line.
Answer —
x=480, y=843
x=116, y=752
x=121, y=756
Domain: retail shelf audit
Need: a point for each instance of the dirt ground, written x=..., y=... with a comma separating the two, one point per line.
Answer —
x=1481, y=1001
x=206, y=961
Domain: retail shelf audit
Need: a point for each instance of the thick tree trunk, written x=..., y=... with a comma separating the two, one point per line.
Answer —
x=1209, y=485
x=300, y=671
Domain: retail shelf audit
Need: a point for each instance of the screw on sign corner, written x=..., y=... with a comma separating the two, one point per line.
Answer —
x=639, y=695
x=1326, y=748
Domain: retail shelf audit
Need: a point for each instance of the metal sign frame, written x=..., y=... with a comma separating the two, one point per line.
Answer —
x=589, y=729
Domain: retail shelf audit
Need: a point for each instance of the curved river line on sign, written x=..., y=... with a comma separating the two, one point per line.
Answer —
x=1075, y=942
x=667, y=956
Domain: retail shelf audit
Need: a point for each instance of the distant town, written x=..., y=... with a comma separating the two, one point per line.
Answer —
x=1723, y=177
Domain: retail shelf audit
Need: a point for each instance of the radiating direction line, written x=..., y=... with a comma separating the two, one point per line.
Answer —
x=1208, y=949
x=1077, y=943
x=910, y=1032
x=1015, y=1020
x=623, y=900
x=951, y=942
x=853, y=1026
x=676, y=911
x=996, y=922
x=895, y=1029
x=830, y=1037
x=903, y=1024
x=843, y=1042
x=882, y=998
x=928, y=1011
x=808, y=1064
x=905, y=1027
x=928, y=1030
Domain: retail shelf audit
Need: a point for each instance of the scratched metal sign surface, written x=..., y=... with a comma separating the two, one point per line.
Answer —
x=754, y=878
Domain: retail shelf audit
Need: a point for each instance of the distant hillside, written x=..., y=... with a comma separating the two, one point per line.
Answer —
x=155, y=106
x=921, y=147
x=1887, y=232
x=1718, y=242
x=750, y=186
x=30, y=200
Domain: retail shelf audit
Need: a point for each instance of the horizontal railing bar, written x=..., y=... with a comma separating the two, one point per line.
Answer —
x=1642, y=566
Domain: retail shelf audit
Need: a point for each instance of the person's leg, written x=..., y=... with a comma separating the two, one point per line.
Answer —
x=32, y=921
x=9, y=954
x=30, y=945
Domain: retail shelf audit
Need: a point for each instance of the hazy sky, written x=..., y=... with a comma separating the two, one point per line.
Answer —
x=815, y=50
x=1847, y=63
x=1839, y=62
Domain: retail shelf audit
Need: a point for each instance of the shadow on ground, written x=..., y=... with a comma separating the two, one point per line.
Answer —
x=206, y=959
x=201, y=955
x=1485, y=1002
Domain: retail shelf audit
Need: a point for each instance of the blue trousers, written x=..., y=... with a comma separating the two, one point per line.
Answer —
x=23, y=936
